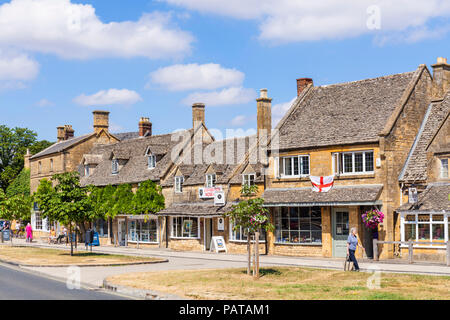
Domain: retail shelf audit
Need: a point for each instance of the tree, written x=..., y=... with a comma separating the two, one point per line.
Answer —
x=67, y=202
x=20, y=185
x=148, y=198
x=250, y=215
x=17, y=200
x=13, y=146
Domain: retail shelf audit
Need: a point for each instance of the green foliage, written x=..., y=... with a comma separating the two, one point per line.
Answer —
x=122, y=200
x=250, y=213
x=13, y=146
x=148, y=198
x=67, y=202
x=20, y=185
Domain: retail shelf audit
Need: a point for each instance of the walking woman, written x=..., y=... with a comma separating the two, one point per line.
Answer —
x=29, y=232
x=352, y=243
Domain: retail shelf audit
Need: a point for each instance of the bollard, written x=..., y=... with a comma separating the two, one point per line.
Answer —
x=410, y=252
x=375, y=249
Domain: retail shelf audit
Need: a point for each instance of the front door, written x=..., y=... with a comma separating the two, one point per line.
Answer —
x=121, y=231
x=208, y=233
x=340, y=225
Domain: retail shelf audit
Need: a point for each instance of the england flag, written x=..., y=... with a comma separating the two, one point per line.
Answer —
x=322, y=184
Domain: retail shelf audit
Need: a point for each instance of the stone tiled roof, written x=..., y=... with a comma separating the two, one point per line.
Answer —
x=415, y=168
x=61, y=146
x=126, y=135
x=135, y=167
x=196, y=209
x=232, y=153
x=347, y=113
x=337, y=195
x=435, y=198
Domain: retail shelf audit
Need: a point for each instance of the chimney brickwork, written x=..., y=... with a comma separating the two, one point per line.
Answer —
x=441, y=79
x=198, y=114
x=302, y=84
x=145, y=127
x=264, y=114
x=101, y=121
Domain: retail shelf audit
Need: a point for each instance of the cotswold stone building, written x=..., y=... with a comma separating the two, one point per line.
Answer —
x=146, y=157
x=360, y=132
x=426, y=170
x=65, y=156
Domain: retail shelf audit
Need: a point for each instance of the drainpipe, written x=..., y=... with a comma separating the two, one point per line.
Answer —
x=401, y=194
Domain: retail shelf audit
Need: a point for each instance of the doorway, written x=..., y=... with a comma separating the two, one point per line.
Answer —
x=340, y=226
x=208, y=233
x=121, y=231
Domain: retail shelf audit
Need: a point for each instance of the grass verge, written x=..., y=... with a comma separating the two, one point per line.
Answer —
x=52, y=257
x=288, y=283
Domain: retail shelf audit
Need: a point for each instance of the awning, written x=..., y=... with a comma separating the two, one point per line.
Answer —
x=337, y=196
x=196, y=209
x=434, y=199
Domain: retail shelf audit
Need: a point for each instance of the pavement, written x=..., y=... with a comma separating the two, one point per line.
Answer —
x=187, y=260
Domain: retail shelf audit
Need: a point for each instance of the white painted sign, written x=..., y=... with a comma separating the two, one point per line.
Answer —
x=218, y=244
x=219, y=198
x=208, y=193
x=220, y=224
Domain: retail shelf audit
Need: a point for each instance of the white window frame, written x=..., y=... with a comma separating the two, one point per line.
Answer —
x=337, y=156
x=86, y=170
x=210, y=180
x=115, y=166
x=136, y=221
x=178, y=184
x=173, y=219
x=416, y=222
x=246, y=179
x=300, y=166
x=232, y=235
x=151, y=164
x=444, y=168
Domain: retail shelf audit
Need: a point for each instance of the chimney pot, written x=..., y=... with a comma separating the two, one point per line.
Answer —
x=302, y=84
x=264, y=114
x=263, y=93
x=145, y=127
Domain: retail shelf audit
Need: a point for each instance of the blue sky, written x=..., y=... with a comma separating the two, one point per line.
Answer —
x=53, y=77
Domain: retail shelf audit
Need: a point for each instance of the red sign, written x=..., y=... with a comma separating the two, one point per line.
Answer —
x=208, y=193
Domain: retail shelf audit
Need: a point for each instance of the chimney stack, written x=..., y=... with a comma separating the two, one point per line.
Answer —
x=302, y=84
x=101, y=121
x=441, y=79
x=61, y=135
x=145, y=127
x=198, y=114
x=264, y=114
x=26, y=159
x=69, y=133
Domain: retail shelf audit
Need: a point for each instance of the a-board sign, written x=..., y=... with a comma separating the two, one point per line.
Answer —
x=218, y=244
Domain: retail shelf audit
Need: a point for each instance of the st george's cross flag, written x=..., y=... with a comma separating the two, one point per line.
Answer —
x=322, y=184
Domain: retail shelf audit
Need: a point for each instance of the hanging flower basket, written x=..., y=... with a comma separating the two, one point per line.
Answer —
x=372, y=219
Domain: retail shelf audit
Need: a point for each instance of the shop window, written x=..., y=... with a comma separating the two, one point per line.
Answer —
x=298, y=225
x=101, y=226
x=143, y=231
x=185, y=227
x=424, y=227
x=241, y=234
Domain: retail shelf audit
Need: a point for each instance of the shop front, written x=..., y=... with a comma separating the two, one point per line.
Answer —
x=318, y=224
x=136, y=230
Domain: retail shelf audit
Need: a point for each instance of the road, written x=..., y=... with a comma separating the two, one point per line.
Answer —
x=20, y=285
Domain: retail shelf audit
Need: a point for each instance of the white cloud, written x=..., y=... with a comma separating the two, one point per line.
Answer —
x=228, y=96
x=74, y=31
x=279, y=110
x=44, y=103
x=109, y=97
x=303, y=20
x=195, y=77
x=17, y=67
x=239, y=120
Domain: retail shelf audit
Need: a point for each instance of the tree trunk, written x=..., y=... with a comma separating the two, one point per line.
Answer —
x=257, y=254
x=249, y=250
x=71, y=238
x=83, y=231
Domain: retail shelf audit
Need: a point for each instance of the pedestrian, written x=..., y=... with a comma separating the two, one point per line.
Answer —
x=352, y=243
x=62, y=235
x=17, y=228
x=29, y=232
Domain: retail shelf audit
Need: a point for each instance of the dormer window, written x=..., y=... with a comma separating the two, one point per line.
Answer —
x=210, y=180
x=444, y=168
x=179, y=184
x=151, y=161
x=248, y=179
x=115, y=166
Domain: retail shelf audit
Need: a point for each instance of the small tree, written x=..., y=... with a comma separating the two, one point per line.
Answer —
x=250, y=215
x=67, y=202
